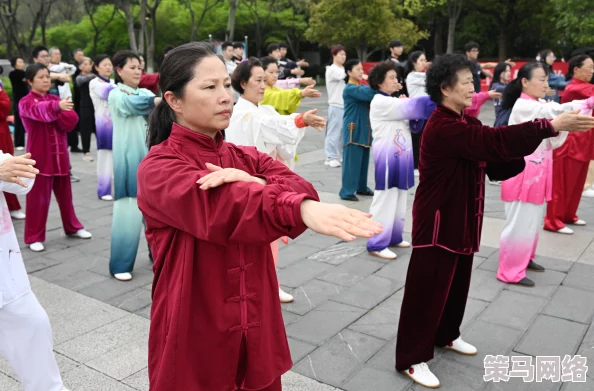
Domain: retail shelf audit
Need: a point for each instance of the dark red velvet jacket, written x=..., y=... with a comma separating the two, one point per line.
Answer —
x=215, y=281
x=456, y=152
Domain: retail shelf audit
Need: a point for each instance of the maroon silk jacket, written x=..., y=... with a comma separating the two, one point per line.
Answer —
x=456, y=151
x=215, y=281
x=46, y=126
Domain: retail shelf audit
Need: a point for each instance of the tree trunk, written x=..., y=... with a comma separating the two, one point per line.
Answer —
x=125, y=6
x=438, y=38
x=193, y=19
x=233, y=4
x=142, y=31
x=502, y=43
x=451, y=30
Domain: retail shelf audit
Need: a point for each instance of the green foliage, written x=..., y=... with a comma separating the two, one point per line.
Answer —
x=7, y=86
x=360, y=25
x=576, y=19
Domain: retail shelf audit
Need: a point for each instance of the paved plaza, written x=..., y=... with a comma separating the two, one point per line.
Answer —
x=343, y=323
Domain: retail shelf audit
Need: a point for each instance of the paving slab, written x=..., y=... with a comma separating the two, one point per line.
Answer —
x=571, y=304
x=369, y=292
x=373, y=379
x=512, y=309
x=550, y=336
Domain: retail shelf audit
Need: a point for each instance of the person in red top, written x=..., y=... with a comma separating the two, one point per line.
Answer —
x=456, y=152
x=212, y=209
x=571, y=160
x=47, y=120
x=150, y=81
x=6, y=146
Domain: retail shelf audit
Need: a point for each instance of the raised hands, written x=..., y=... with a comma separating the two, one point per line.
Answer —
x=309, y=92
x=14, y=167
x=572, y=121
x=66, y=104
x=494, y=94
x=311, y=119
x=338, y=220
x=219, y=176
x=307, y=81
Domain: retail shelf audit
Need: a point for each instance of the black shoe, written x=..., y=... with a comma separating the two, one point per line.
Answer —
x=535, y=267
x=366, y=193
x=76, y=150
x=350, y=198
x=525, y=282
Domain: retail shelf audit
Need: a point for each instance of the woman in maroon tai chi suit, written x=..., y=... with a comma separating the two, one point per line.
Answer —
x=456, y=152
x=212, y=209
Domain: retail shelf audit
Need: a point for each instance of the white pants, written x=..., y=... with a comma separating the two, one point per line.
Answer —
x=389, y=208
x=333, y=143
x=26, y=342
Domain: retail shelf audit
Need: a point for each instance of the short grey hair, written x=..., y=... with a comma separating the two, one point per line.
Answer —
x=52, y=50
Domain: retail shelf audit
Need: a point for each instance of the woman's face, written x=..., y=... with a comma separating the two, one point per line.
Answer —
x=130, y=73
x=421, y=63
x=390, y=84
x=340, y=58
x=207, y=103
x=505, y=76
x=271, y=74
x=253, y=90
x=41, y=82
x=356, y=73
x=459, y=96
x=550, y=58
x=105, y=68
x=20, y=64
x=86, y=66
x=585, y=72
x=537, y=86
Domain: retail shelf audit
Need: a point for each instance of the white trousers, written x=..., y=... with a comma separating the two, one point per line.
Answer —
x=26, y=342
x=389, y=208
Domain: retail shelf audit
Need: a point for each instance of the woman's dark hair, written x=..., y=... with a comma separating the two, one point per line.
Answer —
x=33, y=69
x=412, y=59
x=443, y=73
x=265, y=61
x=348, y=66
x=243, y=72
x=499, y=69
x=272, y=47
x=513, y=90
x=378, y=73
x=120, y=59
x=544, y=54
x=576, y=61
x=98, y=59
x=177, y=70
x=13, y=61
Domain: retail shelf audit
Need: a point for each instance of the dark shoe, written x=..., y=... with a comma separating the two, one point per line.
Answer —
x=366, y=193
x=74, y=178
x=350, y=198
x=76, y=150
x=525, y=282
x=535, y=267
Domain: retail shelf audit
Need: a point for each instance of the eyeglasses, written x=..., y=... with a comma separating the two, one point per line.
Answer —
x=474, y=51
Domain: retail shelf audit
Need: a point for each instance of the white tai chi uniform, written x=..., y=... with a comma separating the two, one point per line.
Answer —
x=25, y=331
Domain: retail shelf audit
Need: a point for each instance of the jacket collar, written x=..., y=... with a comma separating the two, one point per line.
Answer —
x=190, y=138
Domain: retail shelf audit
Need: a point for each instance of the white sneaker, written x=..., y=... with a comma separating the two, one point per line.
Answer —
x=565, y=230
x=17, y=214
x=579, y=223
x=20, y=148
x=37, y=247
x=82, y=234
x=123, y=276
x=87, y=157
x=403, y=244
x=495, y=183
x=107, y=198
x=284, y=296
x=384, y=254
x=588, y=193
x=421, y=374
x=459, y=346
x=416, y=172
x=333, y=163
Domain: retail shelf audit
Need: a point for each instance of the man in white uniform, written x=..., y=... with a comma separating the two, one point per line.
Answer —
x=25, y=331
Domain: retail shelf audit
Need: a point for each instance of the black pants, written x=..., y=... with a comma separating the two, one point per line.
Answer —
x=86, y=125
x=19, y=129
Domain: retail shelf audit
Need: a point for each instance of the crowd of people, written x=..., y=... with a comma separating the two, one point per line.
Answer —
x=201, y=155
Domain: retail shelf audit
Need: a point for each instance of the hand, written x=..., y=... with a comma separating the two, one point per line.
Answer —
x=309, y=92
x=14, y=167
x=402, y=96
x=65, y=78
x=338, y=220
x=219, y=176
x=398, y=86
x=510, y=62
x=488, y=73
x=311, y=119
x=297, y=72
x=303, y=63
x=494, y=94
x=365, y=77
x=66, y=104
x=307, y=81
x=550, y=92
x=572, y=121
x=158, y=100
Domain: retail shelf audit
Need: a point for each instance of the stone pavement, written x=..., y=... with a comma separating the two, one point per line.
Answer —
x=343, y=323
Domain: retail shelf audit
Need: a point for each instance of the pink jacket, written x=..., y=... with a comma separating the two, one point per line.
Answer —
x=478, y=100
x=46, y=126
x=535, y=183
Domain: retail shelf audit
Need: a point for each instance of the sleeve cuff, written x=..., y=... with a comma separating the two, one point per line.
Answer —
x=289, y=209
x=299, y=122
x=547, y=129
